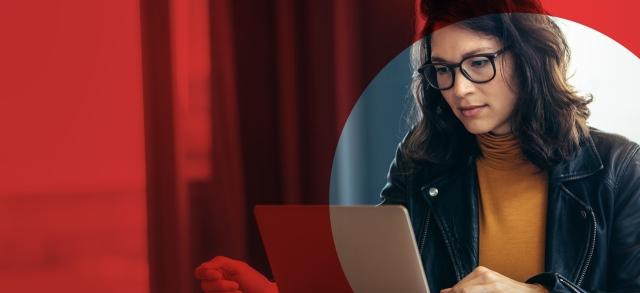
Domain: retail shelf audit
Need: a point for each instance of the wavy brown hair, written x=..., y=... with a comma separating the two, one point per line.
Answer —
x=549, y=118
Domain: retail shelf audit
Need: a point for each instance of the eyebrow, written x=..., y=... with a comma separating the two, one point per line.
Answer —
x=465, y=55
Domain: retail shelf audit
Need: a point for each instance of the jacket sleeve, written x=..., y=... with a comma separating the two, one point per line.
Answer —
x=395, y=189
x=623, y=271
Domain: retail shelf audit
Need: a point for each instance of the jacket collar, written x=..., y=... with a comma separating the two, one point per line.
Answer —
x=584, y=163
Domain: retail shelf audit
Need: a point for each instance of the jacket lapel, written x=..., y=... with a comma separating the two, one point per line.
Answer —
x=571, y=222
x=454, y=202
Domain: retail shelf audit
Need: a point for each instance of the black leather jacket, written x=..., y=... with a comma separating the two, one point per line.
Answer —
x=593, y=218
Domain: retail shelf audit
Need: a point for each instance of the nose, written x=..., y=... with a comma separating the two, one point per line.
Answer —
x=461, y=86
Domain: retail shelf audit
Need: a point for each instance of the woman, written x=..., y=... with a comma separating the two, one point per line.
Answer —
x=507, y=188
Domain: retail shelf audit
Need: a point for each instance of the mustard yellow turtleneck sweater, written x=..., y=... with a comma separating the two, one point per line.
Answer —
x=513, y=208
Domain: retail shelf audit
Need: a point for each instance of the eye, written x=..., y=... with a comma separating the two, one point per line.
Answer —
x=479, y=62
x=441, y=69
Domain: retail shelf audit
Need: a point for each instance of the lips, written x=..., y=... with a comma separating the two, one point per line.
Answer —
x=470, y=111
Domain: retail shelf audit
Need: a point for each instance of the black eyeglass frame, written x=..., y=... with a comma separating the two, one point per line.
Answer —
x=491, y=56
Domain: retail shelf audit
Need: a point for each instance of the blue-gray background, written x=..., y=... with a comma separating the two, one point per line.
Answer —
x=373, y=130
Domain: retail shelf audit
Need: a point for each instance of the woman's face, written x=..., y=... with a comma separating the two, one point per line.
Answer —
x=481, y=107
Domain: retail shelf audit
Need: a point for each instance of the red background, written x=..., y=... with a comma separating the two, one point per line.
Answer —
x=115, y=114
x=72, y=184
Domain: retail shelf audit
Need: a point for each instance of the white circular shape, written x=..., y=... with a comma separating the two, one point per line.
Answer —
x=603, y=67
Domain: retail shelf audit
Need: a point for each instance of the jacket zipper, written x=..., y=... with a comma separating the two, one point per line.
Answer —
x=568, y=284
x=589, y=254
x=424, y=234
x=451, y=253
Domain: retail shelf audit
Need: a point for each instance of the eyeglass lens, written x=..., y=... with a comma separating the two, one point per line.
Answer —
x=478, y=69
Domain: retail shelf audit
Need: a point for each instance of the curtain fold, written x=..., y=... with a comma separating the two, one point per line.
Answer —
x=299, y=68
x=283, y=78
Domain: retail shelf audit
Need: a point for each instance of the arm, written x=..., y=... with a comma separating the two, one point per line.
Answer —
x=395, y=189
x=624, y=269
x=624, y=246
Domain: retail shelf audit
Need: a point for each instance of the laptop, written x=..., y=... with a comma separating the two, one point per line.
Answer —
x=322, y=248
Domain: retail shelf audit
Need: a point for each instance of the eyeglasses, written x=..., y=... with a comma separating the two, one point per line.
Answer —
x=478, y=68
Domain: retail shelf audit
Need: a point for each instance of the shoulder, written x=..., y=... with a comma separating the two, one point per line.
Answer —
x=612, y=147
x=620, y=156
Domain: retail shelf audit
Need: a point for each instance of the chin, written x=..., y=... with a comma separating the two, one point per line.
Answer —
x=477, y=129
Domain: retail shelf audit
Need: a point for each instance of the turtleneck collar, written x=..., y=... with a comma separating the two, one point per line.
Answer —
x=500, y=151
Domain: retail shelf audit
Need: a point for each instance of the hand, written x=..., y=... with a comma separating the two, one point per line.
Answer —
x=485, y=280
x=223, y=274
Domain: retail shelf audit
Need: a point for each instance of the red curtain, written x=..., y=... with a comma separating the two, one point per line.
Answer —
x=260, y=95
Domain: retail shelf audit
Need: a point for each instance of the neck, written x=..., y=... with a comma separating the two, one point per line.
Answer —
x=500, y=150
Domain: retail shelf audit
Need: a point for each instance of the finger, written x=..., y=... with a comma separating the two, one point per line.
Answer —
x=479, y=276
x=486, y=271
x=471, y=278
x=219, y=285
x=226, y=264
x=203, y=273
x=474, y=289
